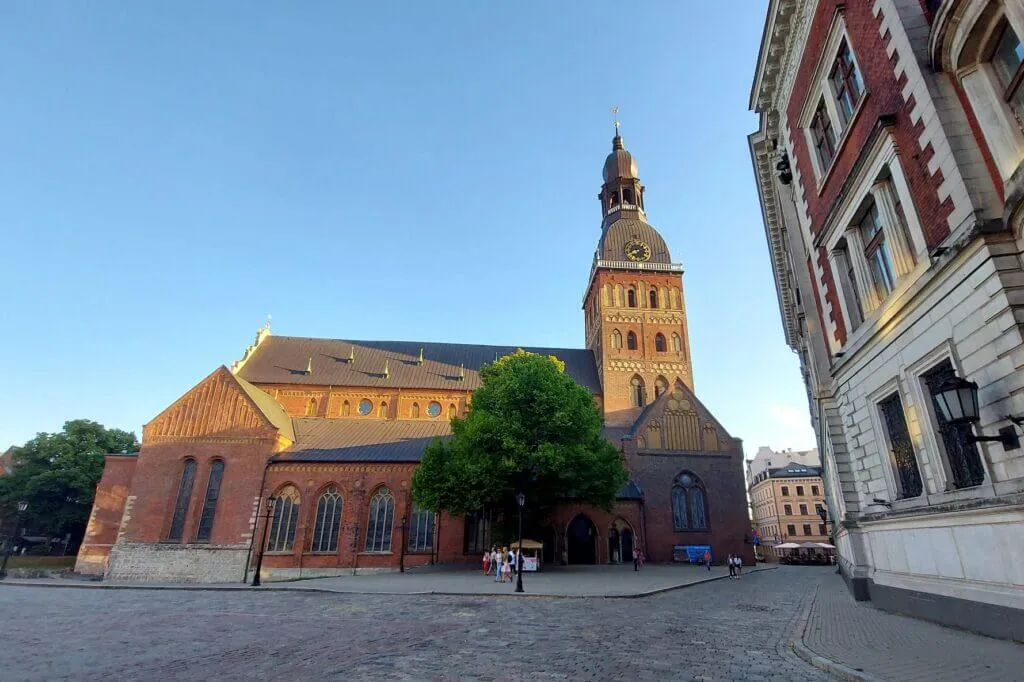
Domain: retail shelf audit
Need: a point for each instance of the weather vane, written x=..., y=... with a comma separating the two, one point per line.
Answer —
x=615, y=117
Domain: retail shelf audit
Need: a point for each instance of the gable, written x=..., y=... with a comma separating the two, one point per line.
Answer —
x=219, y=406
x=678, y=421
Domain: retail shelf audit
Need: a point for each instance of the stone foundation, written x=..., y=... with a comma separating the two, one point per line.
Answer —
x=176, y=563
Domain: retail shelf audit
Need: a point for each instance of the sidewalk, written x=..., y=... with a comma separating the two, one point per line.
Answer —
x=564, y=581
x=854, y=640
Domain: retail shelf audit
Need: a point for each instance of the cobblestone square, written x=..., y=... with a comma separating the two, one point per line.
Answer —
x=721, y=630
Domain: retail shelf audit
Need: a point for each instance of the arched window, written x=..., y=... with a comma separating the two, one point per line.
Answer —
x=285, y=520
x=383, y=411
x=627, y=196
x=659, y=342
x=631, y=341
x=637, y=391
x=689, y=503
x=631, y=297
x=328, y=521
x=346, y=409
x=311, y=407
x=188, y=479
x=660, y=386
x=452, y=411
x=616, y=338
x=421, y=530
x=654, y=298
x=210, y=502
x=382, y=517
x=677, y=343
x=414, y=411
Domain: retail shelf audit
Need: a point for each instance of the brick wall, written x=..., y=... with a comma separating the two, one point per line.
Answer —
x=105, y=518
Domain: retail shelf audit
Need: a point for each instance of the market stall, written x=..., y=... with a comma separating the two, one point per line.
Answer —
x=532, y=551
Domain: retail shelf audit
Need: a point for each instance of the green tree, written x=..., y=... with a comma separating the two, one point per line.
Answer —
x=57, y=473
x=531, y=428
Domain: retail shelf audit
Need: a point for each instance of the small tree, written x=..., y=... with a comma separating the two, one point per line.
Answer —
x=531, y=428
x=57, y=473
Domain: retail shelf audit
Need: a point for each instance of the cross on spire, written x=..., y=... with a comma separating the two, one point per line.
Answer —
x=615, y=118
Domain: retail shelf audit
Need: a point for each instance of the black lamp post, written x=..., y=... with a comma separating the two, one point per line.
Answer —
x=263, y=542
x=520, y=500
x=957, y=400
x=401, y=555
x=22, y=506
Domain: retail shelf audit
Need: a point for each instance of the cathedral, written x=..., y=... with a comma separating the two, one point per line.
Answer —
x=331, y=430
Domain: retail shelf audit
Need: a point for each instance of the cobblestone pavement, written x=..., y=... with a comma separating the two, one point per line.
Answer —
x=892, y=647
x=722, y=630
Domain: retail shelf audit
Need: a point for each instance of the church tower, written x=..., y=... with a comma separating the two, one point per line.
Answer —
x=634, y=312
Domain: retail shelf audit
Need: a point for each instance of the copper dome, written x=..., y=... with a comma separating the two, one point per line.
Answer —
x=620, y=163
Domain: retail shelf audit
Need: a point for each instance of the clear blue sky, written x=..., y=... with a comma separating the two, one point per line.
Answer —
x=170, y=173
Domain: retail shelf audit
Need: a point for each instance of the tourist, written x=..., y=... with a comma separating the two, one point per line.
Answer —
x=707, y=558
x=512, y=560
x=732, y=567
x=496, y=561
x=739, y=566
x=636, y=558
x=487, y=561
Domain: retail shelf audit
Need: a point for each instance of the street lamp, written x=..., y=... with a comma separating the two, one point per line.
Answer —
x=520, y=500
x=957, y=400
x=271, y=502
x=401, y=555
x=22, y=506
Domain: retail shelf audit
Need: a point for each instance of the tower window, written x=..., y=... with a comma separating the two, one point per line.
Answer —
x=616, y=338
x=654, y=298
x=628, y=197
x=659, y=340
x=631, y=341
x=638, y=392
x=631, y=297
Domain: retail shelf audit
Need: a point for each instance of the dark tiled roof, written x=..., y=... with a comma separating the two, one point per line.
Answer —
x=630, y=491
x=283, y=360
x=794, y=470
x=613, y=241
x=362, y=440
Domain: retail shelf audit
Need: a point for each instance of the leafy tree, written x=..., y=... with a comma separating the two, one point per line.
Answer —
x=531, y=428
x=57, y=473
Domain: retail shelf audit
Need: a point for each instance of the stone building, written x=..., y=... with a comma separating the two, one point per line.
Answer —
x=887, y=162
x=786, y=503
x=333, y=429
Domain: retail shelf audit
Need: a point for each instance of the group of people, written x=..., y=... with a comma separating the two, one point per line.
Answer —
x=503, y=563
x=735, y=563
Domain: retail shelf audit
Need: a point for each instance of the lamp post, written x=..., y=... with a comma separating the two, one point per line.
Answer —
x=22, y=506
x=271, y=502
x=520, y=500
x=401, y=554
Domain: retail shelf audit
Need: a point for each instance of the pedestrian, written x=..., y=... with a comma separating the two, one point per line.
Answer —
x=512, y=559
x=636, y=558
x=739, y=566
x=732, y=567
x=707, y=558
x=496, y=561
x=487, y=561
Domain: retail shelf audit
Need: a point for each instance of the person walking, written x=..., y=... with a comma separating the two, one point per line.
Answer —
x=739, y=566
x=707, y=558
x=636, y=558
x=496, y=561
x=732, y=567
x=487, y=561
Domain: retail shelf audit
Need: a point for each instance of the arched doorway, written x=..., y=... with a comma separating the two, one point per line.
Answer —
x=620, y=541
x=581, y=541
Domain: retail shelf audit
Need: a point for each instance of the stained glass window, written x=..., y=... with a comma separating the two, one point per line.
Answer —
x=210, y=503
x=188, y=478
x=421, y=530
x=328, y=521
x=379, y=526
x=689, y=505
x=284, y=521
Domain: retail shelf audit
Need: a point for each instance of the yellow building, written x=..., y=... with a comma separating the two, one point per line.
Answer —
x=786, y=504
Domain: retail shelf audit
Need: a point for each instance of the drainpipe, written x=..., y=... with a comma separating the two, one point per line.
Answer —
x=256, y=525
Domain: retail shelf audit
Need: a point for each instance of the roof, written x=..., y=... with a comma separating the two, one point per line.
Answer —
x=283, y=360
x=620, y=163
x=612, y=246
x=794, y=470
x=362, y=440
x=270, y=408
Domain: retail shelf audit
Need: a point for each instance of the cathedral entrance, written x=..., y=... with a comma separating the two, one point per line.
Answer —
x=581, y=541
x=620, y=542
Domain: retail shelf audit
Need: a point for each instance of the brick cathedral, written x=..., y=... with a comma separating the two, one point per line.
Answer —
x=333, y=429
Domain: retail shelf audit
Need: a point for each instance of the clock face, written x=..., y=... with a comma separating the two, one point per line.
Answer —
x=637, y=251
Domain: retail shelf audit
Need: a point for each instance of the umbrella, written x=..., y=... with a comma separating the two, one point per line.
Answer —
x=788, y=545
x=823, y=545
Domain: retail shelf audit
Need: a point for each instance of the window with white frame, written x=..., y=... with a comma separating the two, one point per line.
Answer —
x=1007, y=61
x=901, y=448
x=834, y=97
x=877, y=252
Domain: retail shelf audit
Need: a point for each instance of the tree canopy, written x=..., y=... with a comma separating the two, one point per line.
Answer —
x=57, y=473
x=531, y=427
